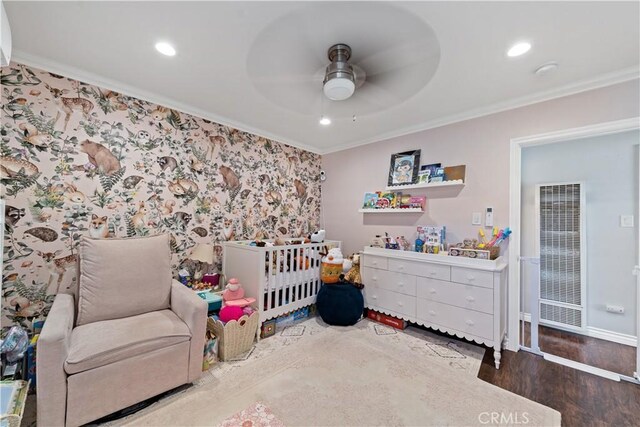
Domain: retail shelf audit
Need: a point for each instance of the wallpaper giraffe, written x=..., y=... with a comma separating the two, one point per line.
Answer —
x=77, y=159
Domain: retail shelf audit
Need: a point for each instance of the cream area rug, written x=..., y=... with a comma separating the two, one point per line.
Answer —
x=348, y=377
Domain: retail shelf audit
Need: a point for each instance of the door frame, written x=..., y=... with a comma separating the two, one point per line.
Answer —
x=515, y=183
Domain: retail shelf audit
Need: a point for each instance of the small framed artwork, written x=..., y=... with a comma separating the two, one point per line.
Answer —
x=404, y=168
x=427, y=172
x=370, y=200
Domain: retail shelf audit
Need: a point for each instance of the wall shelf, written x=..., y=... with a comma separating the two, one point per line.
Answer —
x=392, y=210
x=426, y=186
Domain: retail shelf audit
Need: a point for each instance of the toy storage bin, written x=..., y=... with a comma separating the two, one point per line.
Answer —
x=236, y=337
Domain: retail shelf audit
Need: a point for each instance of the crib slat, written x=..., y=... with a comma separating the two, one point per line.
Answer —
x=269, y=255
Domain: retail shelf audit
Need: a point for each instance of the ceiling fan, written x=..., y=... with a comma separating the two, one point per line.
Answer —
x=341, y=78
x=335, y=56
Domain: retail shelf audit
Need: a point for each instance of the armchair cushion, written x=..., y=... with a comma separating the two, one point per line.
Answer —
x=123, y=277
x=102, y=343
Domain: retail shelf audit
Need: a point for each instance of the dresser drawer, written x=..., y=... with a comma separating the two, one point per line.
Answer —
x=375, y=262
x=387, y=300
x=469, y=276
x=457, y=294
x=436, y=271
x=448, y=316
x=398, y=282
x=374, y=276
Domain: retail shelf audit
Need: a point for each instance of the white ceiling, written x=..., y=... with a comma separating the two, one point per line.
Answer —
x=221, y=71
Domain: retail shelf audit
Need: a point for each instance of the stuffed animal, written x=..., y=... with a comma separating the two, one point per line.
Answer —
x=318, y=236
x=234, y=290
x=332, y=266
x=353, y=276
x=234, y=295
x=230, y=312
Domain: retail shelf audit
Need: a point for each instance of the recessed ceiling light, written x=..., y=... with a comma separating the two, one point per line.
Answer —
x=325, y=121
x=165, y=49
x=519, y=49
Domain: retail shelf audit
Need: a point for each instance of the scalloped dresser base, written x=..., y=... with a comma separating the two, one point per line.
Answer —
x=465, y=298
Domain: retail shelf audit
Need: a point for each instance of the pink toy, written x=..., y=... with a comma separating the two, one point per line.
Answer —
x=234, y=295
x=230, y=312
x=234, y=290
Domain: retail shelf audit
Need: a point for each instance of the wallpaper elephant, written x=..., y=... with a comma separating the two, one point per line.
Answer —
x=76, y=159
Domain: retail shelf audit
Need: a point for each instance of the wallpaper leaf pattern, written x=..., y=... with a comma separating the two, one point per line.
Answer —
x=76, y=159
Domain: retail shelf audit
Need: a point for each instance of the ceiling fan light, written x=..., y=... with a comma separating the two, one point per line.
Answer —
x=339, y=89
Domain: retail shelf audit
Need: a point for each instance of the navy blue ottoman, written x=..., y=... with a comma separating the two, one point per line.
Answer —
x=340, y=304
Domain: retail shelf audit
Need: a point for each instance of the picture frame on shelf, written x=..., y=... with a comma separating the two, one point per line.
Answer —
x=437, y=176
x=370, y=201
x=428, y=171
x=404, y=168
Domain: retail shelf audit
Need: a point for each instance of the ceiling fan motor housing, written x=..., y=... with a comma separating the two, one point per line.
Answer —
x=339, y=79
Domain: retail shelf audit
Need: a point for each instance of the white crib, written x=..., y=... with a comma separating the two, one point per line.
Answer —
x=282, y=279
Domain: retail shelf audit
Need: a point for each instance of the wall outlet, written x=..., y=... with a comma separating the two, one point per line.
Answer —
x=488, y=219
x=616, y=309
x=626, y=221
x=476, y=218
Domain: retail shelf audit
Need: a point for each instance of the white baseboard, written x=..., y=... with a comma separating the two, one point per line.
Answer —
x=582, y=367
x=599, y=333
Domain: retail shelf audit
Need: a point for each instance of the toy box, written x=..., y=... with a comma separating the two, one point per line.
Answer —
x=386, y=319
x=214, y=300
x=234, y=337
x=489, y=253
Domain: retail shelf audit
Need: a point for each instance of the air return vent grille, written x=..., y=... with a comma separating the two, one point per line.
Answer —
x=560, y=209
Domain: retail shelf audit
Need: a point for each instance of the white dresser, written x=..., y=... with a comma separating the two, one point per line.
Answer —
x=464, y=297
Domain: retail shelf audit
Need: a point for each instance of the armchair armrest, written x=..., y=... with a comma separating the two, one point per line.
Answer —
x=53, y=347
x=193, y=311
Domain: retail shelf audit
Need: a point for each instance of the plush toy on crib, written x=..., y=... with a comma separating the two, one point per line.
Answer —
x=353, y=275
x=318, y=236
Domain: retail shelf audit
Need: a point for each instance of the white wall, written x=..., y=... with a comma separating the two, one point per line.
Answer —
x=608, y=167
x=482, y=144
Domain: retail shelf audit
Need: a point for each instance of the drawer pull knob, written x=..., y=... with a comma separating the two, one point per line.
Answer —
x=470, y=277
x=469, y=322
x=375, y=278
x=375, y=297
x=400, y=267
x=400, y=304
x=470, y=299
x=432, y=291
x=431, y=312
x=374, y=262
x=432, y=273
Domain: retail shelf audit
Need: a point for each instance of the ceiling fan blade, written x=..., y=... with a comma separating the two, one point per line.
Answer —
x=373, y=94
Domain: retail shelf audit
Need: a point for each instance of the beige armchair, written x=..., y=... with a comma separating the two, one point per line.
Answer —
x=129, y=333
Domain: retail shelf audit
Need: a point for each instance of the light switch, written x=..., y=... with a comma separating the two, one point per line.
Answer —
x=476, y=219
x=626, y=221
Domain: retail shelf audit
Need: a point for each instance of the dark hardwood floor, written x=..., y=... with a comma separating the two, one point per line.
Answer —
x=602, y=354
x=583, y=399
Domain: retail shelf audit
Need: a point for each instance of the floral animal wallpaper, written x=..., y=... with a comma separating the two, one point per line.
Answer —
x=76, y=159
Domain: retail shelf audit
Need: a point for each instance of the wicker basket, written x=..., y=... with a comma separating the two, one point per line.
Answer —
x=236, y=337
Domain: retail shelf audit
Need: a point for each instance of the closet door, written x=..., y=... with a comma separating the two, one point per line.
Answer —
x=561, y=244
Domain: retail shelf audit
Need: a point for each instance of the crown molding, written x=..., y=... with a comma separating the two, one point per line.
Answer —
x=604, y=80
x=155, y=98
x=601, y=81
